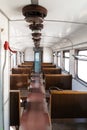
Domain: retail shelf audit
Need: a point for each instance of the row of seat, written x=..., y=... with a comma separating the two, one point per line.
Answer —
x=25, y=69
x=19, y=80
x=54, y=78
x=64, y=102
x=21, y=75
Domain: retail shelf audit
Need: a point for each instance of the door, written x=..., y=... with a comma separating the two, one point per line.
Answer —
x=37, y=63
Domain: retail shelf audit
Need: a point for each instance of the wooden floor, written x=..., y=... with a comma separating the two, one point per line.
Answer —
x=77, y=126
x=36, y=115
x=69, y=124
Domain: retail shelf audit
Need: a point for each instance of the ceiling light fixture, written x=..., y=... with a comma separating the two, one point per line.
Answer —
x=35, y=14
x=36, y=35
x=36, y=27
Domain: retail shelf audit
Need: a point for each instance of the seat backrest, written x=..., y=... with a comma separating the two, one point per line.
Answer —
x=28, y=63
x=21, y=71
x=14, y=108
x=68, y=104
x=48, y=66
x=18, y=81
x=26, y=66
x=58, y=80
x=52, y=70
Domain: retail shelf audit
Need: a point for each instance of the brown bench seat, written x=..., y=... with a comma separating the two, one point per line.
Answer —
x=26, y=66
x=58, y=80
x=46, y=63
x=48, y=66
x=14, y=108
x=51, y=71
x=19, y=81
x=28, y=63
x=21, y=71
x=68, y=104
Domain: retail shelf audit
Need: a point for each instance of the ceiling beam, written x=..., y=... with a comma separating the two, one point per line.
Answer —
x=4, y=14
x=35, y=2
x=63, y=21
x=56, y=21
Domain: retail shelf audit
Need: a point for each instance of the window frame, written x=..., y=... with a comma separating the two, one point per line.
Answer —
x=54, y=54
x=77, y=59
x=59, y=57
x=64, y=57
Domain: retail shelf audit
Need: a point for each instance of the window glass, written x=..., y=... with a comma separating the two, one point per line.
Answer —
x=14, y=60
x=82, y=65
x=66, y=61
x=54, y=57
x=58, y=55
x=67, y=54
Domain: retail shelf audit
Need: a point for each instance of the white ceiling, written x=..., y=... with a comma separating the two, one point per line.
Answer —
x=64, y=18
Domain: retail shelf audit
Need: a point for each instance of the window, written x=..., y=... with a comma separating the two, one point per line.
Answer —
x=66, y=61
x=54, y=57
x=82, y=65
x=54, y=53
x=12, y=60
x=58, y=59
x=15, y=61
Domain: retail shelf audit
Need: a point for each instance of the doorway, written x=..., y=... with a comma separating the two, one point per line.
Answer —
x=37, y=61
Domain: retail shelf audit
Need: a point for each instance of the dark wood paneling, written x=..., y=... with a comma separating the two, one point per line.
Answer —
x=14, y=108
x=68, y=104
x=58, y=80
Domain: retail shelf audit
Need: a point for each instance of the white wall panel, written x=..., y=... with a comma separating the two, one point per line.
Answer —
x=47, y=55
x=5, y=83
x=29, y=54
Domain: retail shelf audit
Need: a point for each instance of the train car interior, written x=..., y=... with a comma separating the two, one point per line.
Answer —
x=43, y=64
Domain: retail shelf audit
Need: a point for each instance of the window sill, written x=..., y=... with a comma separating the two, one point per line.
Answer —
x=80, y=81
x=65, y=72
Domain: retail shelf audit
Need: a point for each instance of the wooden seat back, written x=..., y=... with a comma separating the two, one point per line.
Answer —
x=21, y=71
x=68, y=104
x=14, y=108
x=32, y=62
x=52, y=70
x=45, y=63
x=26, y=66
x=18, y=81
x=48, y=66
x=28, y=63
x=58, y=80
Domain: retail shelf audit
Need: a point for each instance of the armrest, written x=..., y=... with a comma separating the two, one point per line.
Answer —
x=55, y=88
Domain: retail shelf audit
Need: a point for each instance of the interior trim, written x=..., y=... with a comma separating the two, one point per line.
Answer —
x=57, y=21
x=36, y=2
x=4, y=14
